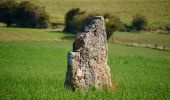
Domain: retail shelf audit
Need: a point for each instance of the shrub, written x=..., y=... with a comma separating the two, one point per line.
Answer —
x=31, y=16
x=25, y=14
x=74, y=20
x=113, y=23
x=79, y=22
x=7, y=10
x=167, y=27
x=139, y=22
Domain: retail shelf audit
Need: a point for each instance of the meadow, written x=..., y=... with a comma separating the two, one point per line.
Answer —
x=156, y=11
x=35, y=68
x=21, y=34
x=161, y=39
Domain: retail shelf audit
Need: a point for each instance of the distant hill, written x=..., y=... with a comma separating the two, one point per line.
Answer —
x=157, y=11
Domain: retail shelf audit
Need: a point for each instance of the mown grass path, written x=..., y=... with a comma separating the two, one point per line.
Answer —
x=144, y=39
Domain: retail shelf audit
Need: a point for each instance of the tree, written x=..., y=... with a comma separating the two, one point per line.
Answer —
x=7, y=11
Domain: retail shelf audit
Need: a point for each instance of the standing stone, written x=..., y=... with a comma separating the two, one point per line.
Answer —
x=87, y=64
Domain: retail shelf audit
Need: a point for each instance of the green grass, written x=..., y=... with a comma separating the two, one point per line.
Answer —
x=159, y=39
x=23, y=34
x=36, y=70
x=33, y=65
x=156, y=11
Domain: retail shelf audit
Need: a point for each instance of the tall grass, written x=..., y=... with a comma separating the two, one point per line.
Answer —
x=36, y=70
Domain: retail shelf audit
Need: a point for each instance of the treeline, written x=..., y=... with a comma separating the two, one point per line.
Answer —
x=76, y=19
x=23, y=14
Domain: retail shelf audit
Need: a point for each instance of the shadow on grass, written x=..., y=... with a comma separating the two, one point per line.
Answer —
x=66, y=33
x=66, y=36
x=69, y=38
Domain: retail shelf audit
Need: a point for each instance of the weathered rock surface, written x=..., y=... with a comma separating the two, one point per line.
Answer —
x=87, y=64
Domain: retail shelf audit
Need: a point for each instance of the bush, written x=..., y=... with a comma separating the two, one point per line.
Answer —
x=113, y=23
x=167, y=27
x=25, y=14
x=79, y=22
x=76, y=20
x=31, y=16
x=7, y=11
x=139, y=22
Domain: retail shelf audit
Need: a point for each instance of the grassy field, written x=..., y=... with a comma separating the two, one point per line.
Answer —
x=36, y=70
x=21, y=34
x=143, y=38
x=156, y=11
x=33, y=66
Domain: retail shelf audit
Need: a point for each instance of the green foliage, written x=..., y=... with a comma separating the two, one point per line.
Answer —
x=139, y=22
x=74, y=19
x=167, y=27
x=25, y=14
x=113, y=24
x=32, y=16
x=7, y=11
